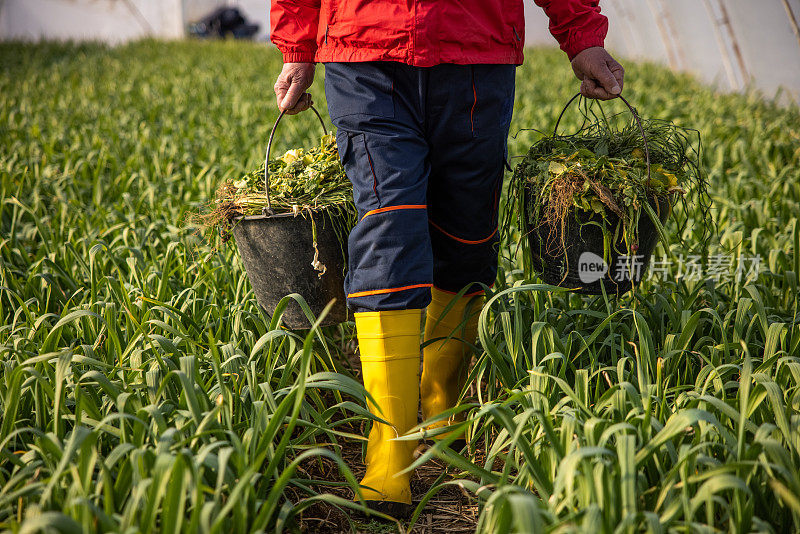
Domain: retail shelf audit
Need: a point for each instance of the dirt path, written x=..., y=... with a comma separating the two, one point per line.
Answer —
x=451, y=510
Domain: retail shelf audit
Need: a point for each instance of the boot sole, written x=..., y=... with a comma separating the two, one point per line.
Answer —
x=398, y=510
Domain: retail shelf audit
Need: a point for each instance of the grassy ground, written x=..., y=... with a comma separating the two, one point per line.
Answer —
x=142, y=390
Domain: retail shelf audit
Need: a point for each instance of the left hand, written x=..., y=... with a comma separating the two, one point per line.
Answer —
x=600, y=74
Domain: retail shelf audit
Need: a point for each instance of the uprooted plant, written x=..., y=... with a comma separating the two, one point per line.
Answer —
x=299, y=181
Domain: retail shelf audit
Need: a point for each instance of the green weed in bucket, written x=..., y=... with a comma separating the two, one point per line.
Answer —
x=299, y=182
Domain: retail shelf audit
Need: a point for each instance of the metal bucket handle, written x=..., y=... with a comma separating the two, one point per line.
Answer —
x=635, y=117
x=267, y=210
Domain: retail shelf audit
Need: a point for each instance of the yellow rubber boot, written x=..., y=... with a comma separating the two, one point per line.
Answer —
x=390, y=350
x=445, y=362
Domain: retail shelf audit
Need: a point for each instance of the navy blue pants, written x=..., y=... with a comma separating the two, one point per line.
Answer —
x=425, y=149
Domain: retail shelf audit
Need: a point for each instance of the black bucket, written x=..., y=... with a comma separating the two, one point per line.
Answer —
x=575, y=258
x=279, y=255
x=581, y=265
x=278, y=251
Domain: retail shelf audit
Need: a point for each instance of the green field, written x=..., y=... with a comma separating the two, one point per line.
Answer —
x=142, y=390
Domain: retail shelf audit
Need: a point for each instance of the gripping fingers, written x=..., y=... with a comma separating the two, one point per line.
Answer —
x=303, y=103
x=591, y=89
x=600, y=74
x=293, y=101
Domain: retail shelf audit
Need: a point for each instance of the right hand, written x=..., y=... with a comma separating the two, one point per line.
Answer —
x=600, y=74
x=291, y=85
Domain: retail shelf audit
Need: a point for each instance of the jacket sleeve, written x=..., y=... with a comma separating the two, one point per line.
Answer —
x=293, y=29
x=576, y=24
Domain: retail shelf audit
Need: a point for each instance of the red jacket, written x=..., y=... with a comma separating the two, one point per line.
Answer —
x=425, y=33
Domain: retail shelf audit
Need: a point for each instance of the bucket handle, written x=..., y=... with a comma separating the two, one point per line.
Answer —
x=267, y=210
x=635, y=117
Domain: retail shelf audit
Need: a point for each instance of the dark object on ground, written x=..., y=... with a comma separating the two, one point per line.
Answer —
x=278, y=252
x=222, y=23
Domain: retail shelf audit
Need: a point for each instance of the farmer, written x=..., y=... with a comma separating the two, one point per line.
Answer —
x=421, y=94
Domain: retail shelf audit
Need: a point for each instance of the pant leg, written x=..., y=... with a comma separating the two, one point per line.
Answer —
x=374, y=108
x=468, y=150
